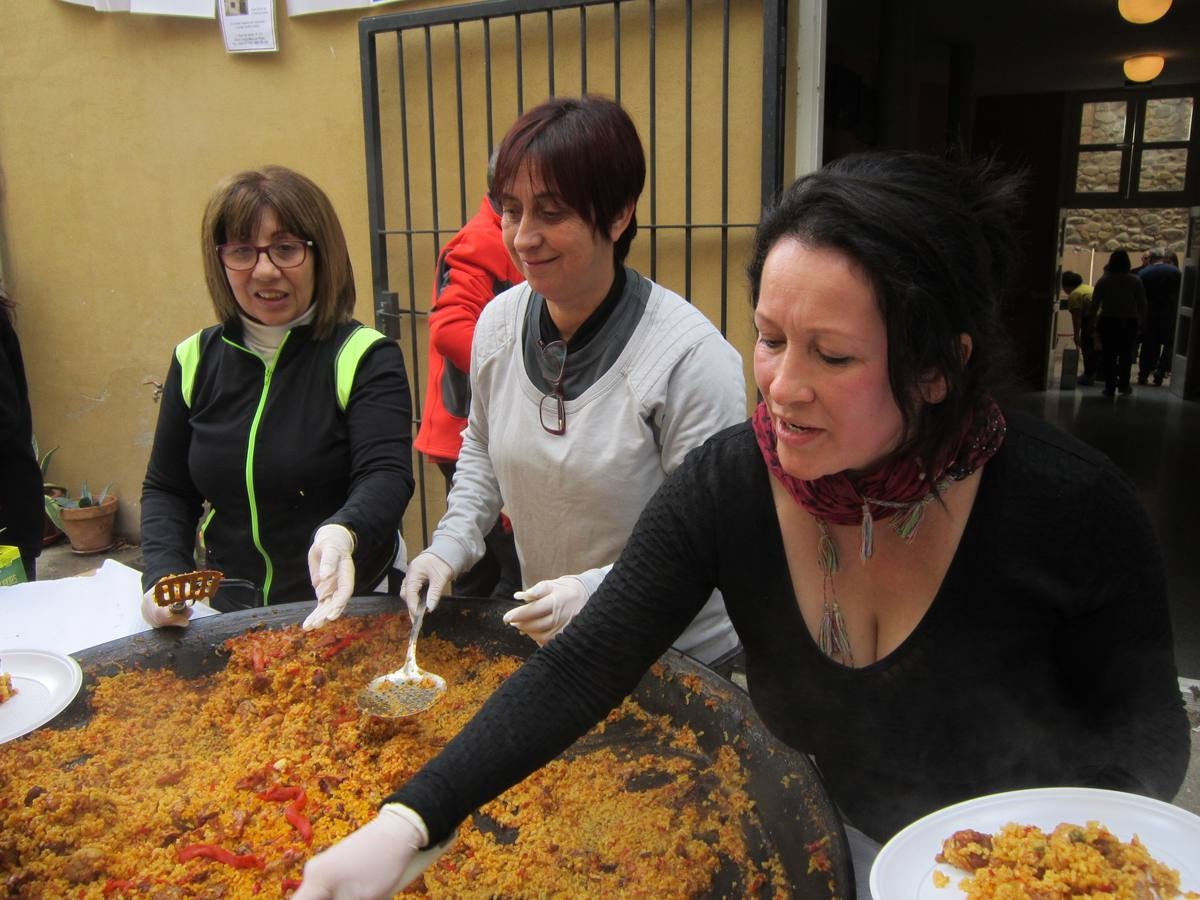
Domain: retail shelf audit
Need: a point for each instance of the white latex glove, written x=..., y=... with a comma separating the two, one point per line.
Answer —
x=549, y=606
x=371, y=862
x=160, y=616
x=331, y=569
x=426, y=569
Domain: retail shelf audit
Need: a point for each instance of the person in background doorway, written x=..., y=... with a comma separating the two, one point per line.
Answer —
x=288, y=417
x=22, y=503
x=1083, y=321
x=939, y=654
x=589, y=382
x=472, y=268
x=1161, y=279
x=1120, y=301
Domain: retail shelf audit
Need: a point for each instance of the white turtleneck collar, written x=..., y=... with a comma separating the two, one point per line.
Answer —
x=264, y=340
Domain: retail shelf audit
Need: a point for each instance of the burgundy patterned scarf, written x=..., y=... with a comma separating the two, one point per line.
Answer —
x=901, y=488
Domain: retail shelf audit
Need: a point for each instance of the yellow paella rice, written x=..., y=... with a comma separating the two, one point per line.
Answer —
x=1082, y=862
x=6, y=688
x=222, y=786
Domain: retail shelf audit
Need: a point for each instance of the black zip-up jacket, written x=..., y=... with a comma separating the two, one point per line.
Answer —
x=267, y=444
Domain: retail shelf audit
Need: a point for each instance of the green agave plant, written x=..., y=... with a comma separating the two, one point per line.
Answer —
x=55, y=504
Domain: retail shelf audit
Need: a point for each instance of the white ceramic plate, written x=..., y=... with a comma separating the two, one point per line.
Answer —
x=903, y=870
x=46, y=683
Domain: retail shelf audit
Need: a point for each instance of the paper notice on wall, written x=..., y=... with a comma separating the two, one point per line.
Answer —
x=248, y=26
x=304, y=7
x=199, y=9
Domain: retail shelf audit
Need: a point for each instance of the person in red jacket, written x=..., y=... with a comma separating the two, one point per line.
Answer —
x=472, y=268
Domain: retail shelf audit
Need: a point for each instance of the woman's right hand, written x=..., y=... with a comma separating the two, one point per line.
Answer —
x=372, y=862
x=426, y=572
x=161, y=616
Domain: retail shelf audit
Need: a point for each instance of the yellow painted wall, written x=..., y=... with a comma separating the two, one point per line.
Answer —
x=113, y=130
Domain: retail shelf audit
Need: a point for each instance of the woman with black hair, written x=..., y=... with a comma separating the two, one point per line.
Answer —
x=888, y=541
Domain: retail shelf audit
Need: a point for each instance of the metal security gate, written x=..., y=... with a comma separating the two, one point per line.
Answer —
x=702, y=79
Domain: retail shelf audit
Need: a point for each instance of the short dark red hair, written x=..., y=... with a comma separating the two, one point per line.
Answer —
x=587, y=151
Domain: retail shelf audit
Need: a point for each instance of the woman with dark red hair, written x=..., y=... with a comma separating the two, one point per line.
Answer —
x=589, y=382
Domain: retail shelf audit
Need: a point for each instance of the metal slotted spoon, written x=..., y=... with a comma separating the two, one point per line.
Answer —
x=408, y=690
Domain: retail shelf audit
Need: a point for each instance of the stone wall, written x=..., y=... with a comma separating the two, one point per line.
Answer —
x=1161, y=169
x=1135, y=230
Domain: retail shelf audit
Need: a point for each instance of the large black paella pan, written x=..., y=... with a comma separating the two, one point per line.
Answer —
x=791, y=813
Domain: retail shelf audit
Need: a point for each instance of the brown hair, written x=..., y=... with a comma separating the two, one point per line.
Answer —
x=587, y=151
x=233, y=213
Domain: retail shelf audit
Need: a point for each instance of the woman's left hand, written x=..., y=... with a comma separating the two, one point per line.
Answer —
x=549, y=606
x=331, y=568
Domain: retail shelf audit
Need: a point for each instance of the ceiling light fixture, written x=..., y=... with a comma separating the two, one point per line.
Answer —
x=1143, y=68
x=1141, y=12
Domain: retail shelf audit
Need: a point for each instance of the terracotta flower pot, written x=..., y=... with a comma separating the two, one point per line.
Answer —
x=90, y=528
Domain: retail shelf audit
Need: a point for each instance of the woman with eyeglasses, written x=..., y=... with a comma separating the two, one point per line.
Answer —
x=889, y=542
x=589, y=382
x=288, y=420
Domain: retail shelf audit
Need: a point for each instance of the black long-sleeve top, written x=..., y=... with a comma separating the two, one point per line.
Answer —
x=1045, y=658
x=268, y=446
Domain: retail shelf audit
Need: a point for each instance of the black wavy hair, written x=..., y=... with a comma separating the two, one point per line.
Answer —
x=937, y=243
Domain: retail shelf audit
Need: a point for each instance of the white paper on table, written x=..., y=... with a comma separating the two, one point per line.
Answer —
x=112, y=5
x=88, y=3
x=248, y=26
x=199, y=9
x=71, y=614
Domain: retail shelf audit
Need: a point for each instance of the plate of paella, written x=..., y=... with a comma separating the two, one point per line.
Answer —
x=1070, y=840
x=39, y=685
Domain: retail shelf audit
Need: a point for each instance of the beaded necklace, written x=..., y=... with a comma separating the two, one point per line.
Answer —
x=899, y=490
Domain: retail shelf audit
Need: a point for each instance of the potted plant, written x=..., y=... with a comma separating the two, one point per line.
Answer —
x=86, y=519
x=50, y=531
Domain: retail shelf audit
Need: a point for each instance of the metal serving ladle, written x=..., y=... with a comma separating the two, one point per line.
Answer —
x=408, y=690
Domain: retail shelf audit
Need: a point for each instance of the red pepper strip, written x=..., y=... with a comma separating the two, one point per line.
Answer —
x=341, y=644
x=118, y=884
x=220, y=854
x=292, y=813
x=298, y=820
x=258, y=661
x=290, y=884
x=280, y=792
x=343, y=715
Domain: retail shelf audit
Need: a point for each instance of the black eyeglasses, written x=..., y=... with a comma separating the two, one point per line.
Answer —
x=244, y=257
x=553, y=359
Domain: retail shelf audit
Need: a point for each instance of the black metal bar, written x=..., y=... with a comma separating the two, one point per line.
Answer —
x=386, y=316
x=431, y=116
x=415, y=348
x=687, y=150
x=520, y=66
x=487, y=68
x=774, y=54
x=583, y=49
x=617, y=51
x=653, y=88
x=725, y=170
x=550, y=50
x=462, y=157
